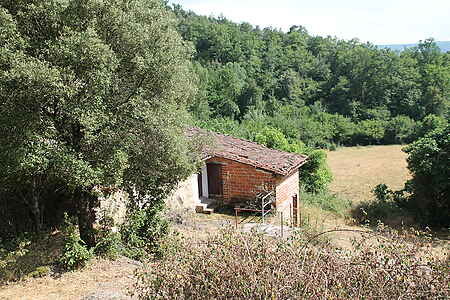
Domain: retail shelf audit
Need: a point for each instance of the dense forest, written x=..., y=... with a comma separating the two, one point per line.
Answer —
x=322, y=91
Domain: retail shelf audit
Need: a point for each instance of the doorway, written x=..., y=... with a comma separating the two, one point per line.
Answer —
x=215, y=183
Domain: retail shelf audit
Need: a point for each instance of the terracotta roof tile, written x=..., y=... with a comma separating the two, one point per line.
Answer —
x=249, y=153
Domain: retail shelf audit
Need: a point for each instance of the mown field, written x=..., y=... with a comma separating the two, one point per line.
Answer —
x=357, y=170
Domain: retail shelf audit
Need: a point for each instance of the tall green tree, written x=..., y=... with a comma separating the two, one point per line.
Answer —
x=93, y=94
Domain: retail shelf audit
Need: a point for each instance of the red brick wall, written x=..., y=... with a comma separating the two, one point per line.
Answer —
x=287, y=187
x=241, y=181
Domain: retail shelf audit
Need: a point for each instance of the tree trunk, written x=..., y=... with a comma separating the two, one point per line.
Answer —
x=86, y=218
x=32, y=200
x=36, y=212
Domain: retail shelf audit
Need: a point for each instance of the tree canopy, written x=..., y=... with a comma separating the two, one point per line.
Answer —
x=93, y=94
x=321, y=90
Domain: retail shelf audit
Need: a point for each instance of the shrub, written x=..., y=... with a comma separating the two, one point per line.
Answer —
x=143, y=231
x=40, y=272
x=75, y=254
x=109, y=241
x=400, y=130
x=10, y=254
x=247, y=266
x=429, y=161
x=369, y=132
x=315, y=174
x=388, y=207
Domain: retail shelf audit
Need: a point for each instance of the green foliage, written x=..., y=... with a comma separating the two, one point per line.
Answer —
x=75, y=254
x=389, y=207
x=29, y=255
x=315, y=174
x=10, y=254
x=327, y=201
x=369, y=132
x=109, y=243
x=428, y=161
x=337, y=92
x=143, y=231
x=272, y=138
x=400, y=130
x=96, y=92
x=431, y=123
x=40, y=272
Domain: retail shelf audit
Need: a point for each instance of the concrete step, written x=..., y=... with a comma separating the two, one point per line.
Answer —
x=203, y=208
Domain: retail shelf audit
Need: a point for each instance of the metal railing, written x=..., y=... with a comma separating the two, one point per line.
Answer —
x=263, y=212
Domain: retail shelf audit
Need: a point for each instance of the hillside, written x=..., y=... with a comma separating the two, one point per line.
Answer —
x=443, y=45
x=321, y=91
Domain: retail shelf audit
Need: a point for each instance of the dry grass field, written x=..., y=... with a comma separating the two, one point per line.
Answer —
x=357, y=170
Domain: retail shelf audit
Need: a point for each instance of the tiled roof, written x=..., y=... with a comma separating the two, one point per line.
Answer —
x=249, y=153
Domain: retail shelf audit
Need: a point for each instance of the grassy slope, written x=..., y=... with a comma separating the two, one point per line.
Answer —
x=357, y=170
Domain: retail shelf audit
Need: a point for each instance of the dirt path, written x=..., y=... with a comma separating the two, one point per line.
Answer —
x=102, y=279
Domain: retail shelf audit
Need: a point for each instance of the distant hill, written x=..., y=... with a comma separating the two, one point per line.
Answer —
x=444, y=45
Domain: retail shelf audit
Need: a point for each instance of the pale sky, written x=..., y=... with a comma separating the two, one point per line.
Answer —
x=377, y=21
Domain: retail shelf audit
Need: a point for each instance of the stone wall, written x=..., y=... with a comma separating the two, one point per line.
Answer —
x=185, y=196
x=115, y=206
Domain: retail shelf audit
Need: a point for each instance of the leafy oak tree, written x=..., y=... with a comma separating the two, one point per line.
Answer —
x=93, y=95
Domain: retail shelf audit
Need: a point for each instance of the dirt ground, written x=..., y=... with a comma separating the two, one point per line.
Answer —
x=357, y=170
x=101, y=279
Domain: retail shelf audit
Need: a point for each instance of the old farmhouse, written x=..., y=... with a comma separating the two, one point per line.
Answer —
x=235, y=171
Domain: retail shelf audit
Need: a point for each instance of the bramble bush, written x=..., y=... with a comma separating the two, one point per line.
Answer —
x=231, y=265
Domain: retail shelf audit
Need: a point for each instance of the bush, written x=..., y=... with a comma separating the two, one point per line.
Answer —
x=109, y=243
x=75, y=254
x=10, y=255
x=315, y=175
x=369, y=132
x=429, y=161
x=143, y=232
x=400, y=130
x=389, y=207
x=40, y=272
x=247, y=266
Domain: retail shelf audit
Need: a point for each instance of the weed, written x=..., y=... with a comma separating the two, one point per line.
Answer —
x=250, y=266
x=327, y=201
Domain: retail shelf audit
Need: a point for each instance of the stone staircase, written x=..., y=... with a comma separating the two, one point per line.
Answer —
x=206, y=206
